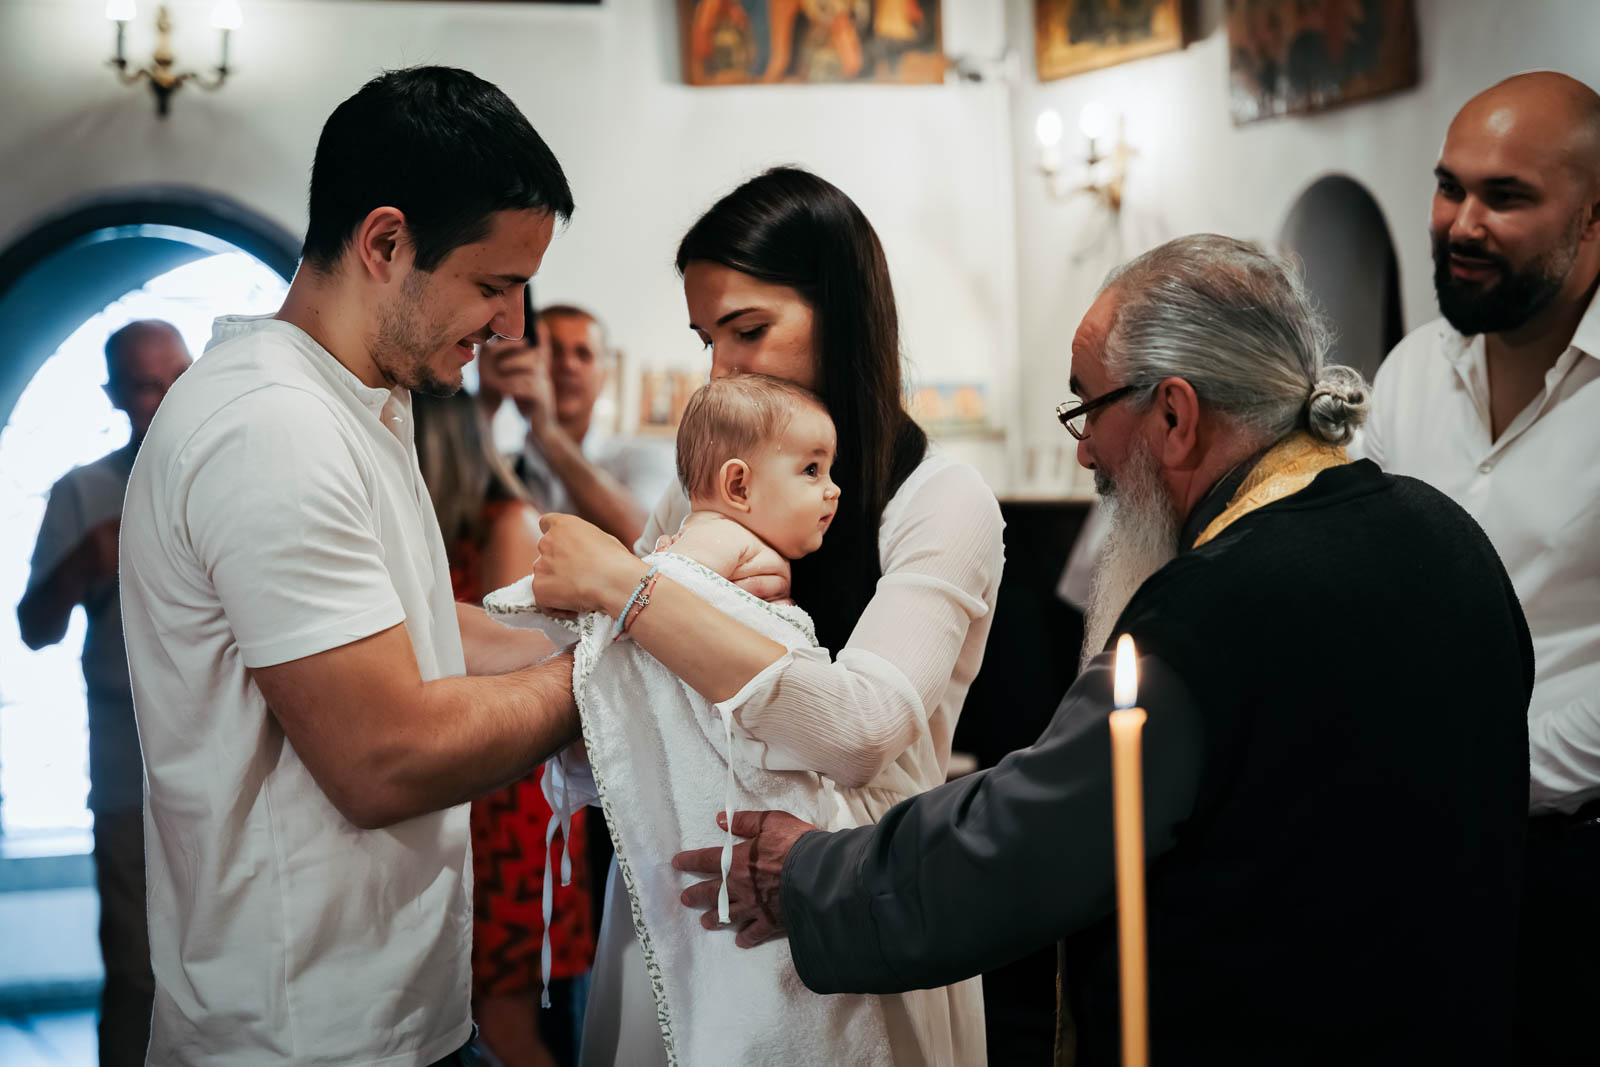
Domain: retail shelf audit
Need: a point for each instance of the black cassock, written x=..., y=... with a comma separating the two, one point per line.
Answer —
x=1336, y=787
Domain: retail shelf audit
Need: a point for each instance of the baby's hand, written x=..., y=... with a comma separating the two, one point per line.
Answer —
x=773, y=588
x=665, y=541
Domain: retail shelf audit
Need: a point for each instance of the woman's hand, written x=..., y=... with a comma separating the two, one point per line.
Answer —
x=582, y=568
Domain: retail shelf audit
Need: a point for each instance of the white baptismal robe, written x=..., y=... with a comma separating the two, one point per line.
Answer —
x=877, y=719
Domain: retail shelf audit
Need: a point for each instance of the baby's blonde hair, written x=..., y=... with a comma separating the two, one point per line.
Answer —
x=730, y=417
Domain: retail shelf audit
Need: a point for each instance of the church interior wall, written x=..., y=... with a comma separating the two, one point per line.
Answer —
x=992, y=273
x=1196, y=171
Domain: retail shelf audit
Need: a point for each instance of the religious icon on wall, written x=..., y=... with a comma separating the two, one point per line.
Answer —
x=746, y=42
x=1072, y=36
x=946, y=409
x=663, y=394
x=1294, y=56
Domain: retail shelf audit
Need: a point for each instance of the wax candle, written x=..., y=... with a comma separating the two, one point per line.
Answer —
x=1127, y=724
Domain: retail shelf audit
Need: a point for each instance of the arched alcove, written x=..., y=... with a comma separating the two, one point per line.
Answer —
x=71, y=265
x=1338, y=233
x=179, y=254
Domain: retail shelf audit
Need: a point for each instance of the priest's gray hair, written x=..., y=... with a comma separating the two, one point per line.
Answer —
x=1237, y=324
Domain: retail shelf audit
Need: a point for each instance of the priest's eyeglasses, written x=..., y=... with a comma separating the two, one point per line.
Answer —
x=1075, y=417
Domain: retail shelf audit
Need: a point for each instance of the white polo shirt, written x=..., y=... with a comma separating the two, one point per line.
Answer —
x=1536, y=492
x=276, y=511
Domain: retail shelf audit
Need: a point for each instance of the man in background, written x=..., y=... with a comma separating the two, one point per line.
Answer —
x=75, y=562
x=567, y=465
x=1498, y=405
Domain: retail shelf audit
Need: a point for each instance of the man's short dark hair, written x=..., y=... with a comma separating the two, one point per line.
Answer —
x=443, y=146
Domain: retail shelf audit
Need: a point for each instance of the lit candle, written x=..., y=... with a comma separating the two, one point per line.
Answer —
x=1127, y=722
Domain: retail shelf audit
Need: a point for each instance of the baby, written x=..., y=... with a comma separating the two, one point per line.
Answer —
x=754, y=456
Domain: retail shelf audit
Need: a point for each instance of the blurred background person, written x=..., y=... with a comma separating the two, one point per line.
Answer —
x=491, y=535
x=75, y=562
x=567, y=463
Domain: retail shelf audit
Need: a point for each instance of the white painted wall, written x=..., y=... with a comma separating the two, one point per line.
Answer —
x=1196, y=171
x=992, y=275
x=930, y=166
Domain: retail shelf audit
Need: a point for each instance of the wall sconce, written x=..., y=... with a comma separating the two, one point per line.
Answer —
x=164, y=81
x=1103, y=173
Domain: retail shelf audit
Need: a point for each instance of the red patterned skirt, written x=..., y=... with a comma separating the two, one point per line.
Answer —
x=508, y=854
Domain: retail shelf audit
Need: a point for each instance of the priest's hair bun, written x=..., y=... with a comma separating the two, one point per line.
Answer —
x=1338, y=404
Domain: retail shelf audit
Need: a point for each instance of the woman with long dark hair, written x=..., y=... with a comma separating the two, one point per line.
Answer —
x=785, y=276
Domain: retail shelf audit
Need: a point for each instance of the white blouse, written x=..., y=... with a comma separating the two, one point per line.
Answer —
x=878, y=717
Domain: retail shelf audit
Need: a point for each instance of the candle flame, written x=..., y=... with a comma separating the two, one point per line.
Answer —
x=1125, y=690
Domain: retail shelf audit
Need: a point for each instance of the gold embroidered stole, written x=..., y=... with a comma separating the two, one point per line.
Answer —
x=1288, y=467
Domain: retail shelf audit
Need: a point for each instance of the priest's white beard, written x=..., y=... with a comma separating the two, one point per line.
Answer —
x=1142, y=536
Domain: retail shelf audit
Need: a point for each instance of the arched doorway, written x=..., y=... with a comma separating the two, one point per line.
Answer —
x=181, y=255
x=1338, y=232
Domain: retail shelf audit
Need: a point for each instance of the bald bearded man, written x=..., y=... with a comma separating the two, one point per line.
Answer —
x=1498, y=404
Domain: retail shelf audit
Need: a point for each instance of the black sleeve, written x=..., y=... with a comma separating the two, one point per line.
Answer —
x=977, y=872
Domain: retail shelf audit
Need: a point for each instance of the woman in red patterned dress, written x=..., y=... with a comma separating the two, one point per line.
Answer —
x=491, y=535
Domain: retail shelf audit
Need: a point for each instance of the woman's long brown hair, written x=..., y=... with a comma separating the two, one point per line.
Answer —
x=462, y=470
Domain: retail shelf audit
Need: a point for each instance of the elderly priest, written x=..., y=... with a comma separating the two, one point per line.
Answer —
x=1337, y=675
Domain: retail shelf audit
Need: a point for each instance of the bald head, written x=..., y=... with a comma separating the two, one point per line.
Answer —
x=1516, y=213
x=143, y=359
x=1541, y=108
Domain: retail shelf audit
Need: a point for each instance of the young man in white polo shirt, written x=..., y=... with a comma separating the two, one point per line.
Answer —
x=314, y=709
x=1498, y=404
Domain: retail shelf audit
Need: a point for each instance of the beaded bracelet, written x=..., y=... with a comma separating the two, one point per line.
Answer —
x=638, y=589
x=644, y=602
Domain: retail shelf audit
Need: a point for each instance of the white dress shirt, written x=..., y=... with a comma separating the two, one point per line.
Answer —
x=1536, y=493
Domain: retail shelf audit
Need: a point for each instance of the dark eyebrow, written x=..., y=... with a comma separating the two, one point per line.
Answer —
x=1075, y=385
x=509, y=279
x=1506, y=181
x=730, y=316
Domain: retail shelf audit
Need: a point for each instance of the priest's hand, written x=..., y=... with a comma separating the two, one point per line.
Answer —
x=755, y=907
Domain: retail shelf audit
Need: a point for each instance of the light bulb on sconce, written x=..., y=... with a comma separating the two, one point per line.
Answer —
x=1102, y=174
x=226, y=16
x=1094, y=120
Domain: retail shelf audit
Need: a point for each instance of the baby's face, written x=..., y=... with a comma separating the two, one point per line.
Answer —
x=792, y=495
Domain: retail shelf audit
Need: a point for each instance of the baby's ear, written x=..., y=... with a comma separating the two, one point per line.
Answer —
x=733, y=484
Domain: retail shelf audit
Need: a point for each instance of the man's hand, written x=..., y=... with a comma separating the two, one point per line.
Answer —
x=521, y=371
x=755, y=907
x=46, y=608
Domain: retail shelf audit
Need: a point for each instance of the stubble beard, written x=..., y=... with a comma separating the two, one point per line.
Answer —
x=1142, y=537
x=401, y=350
